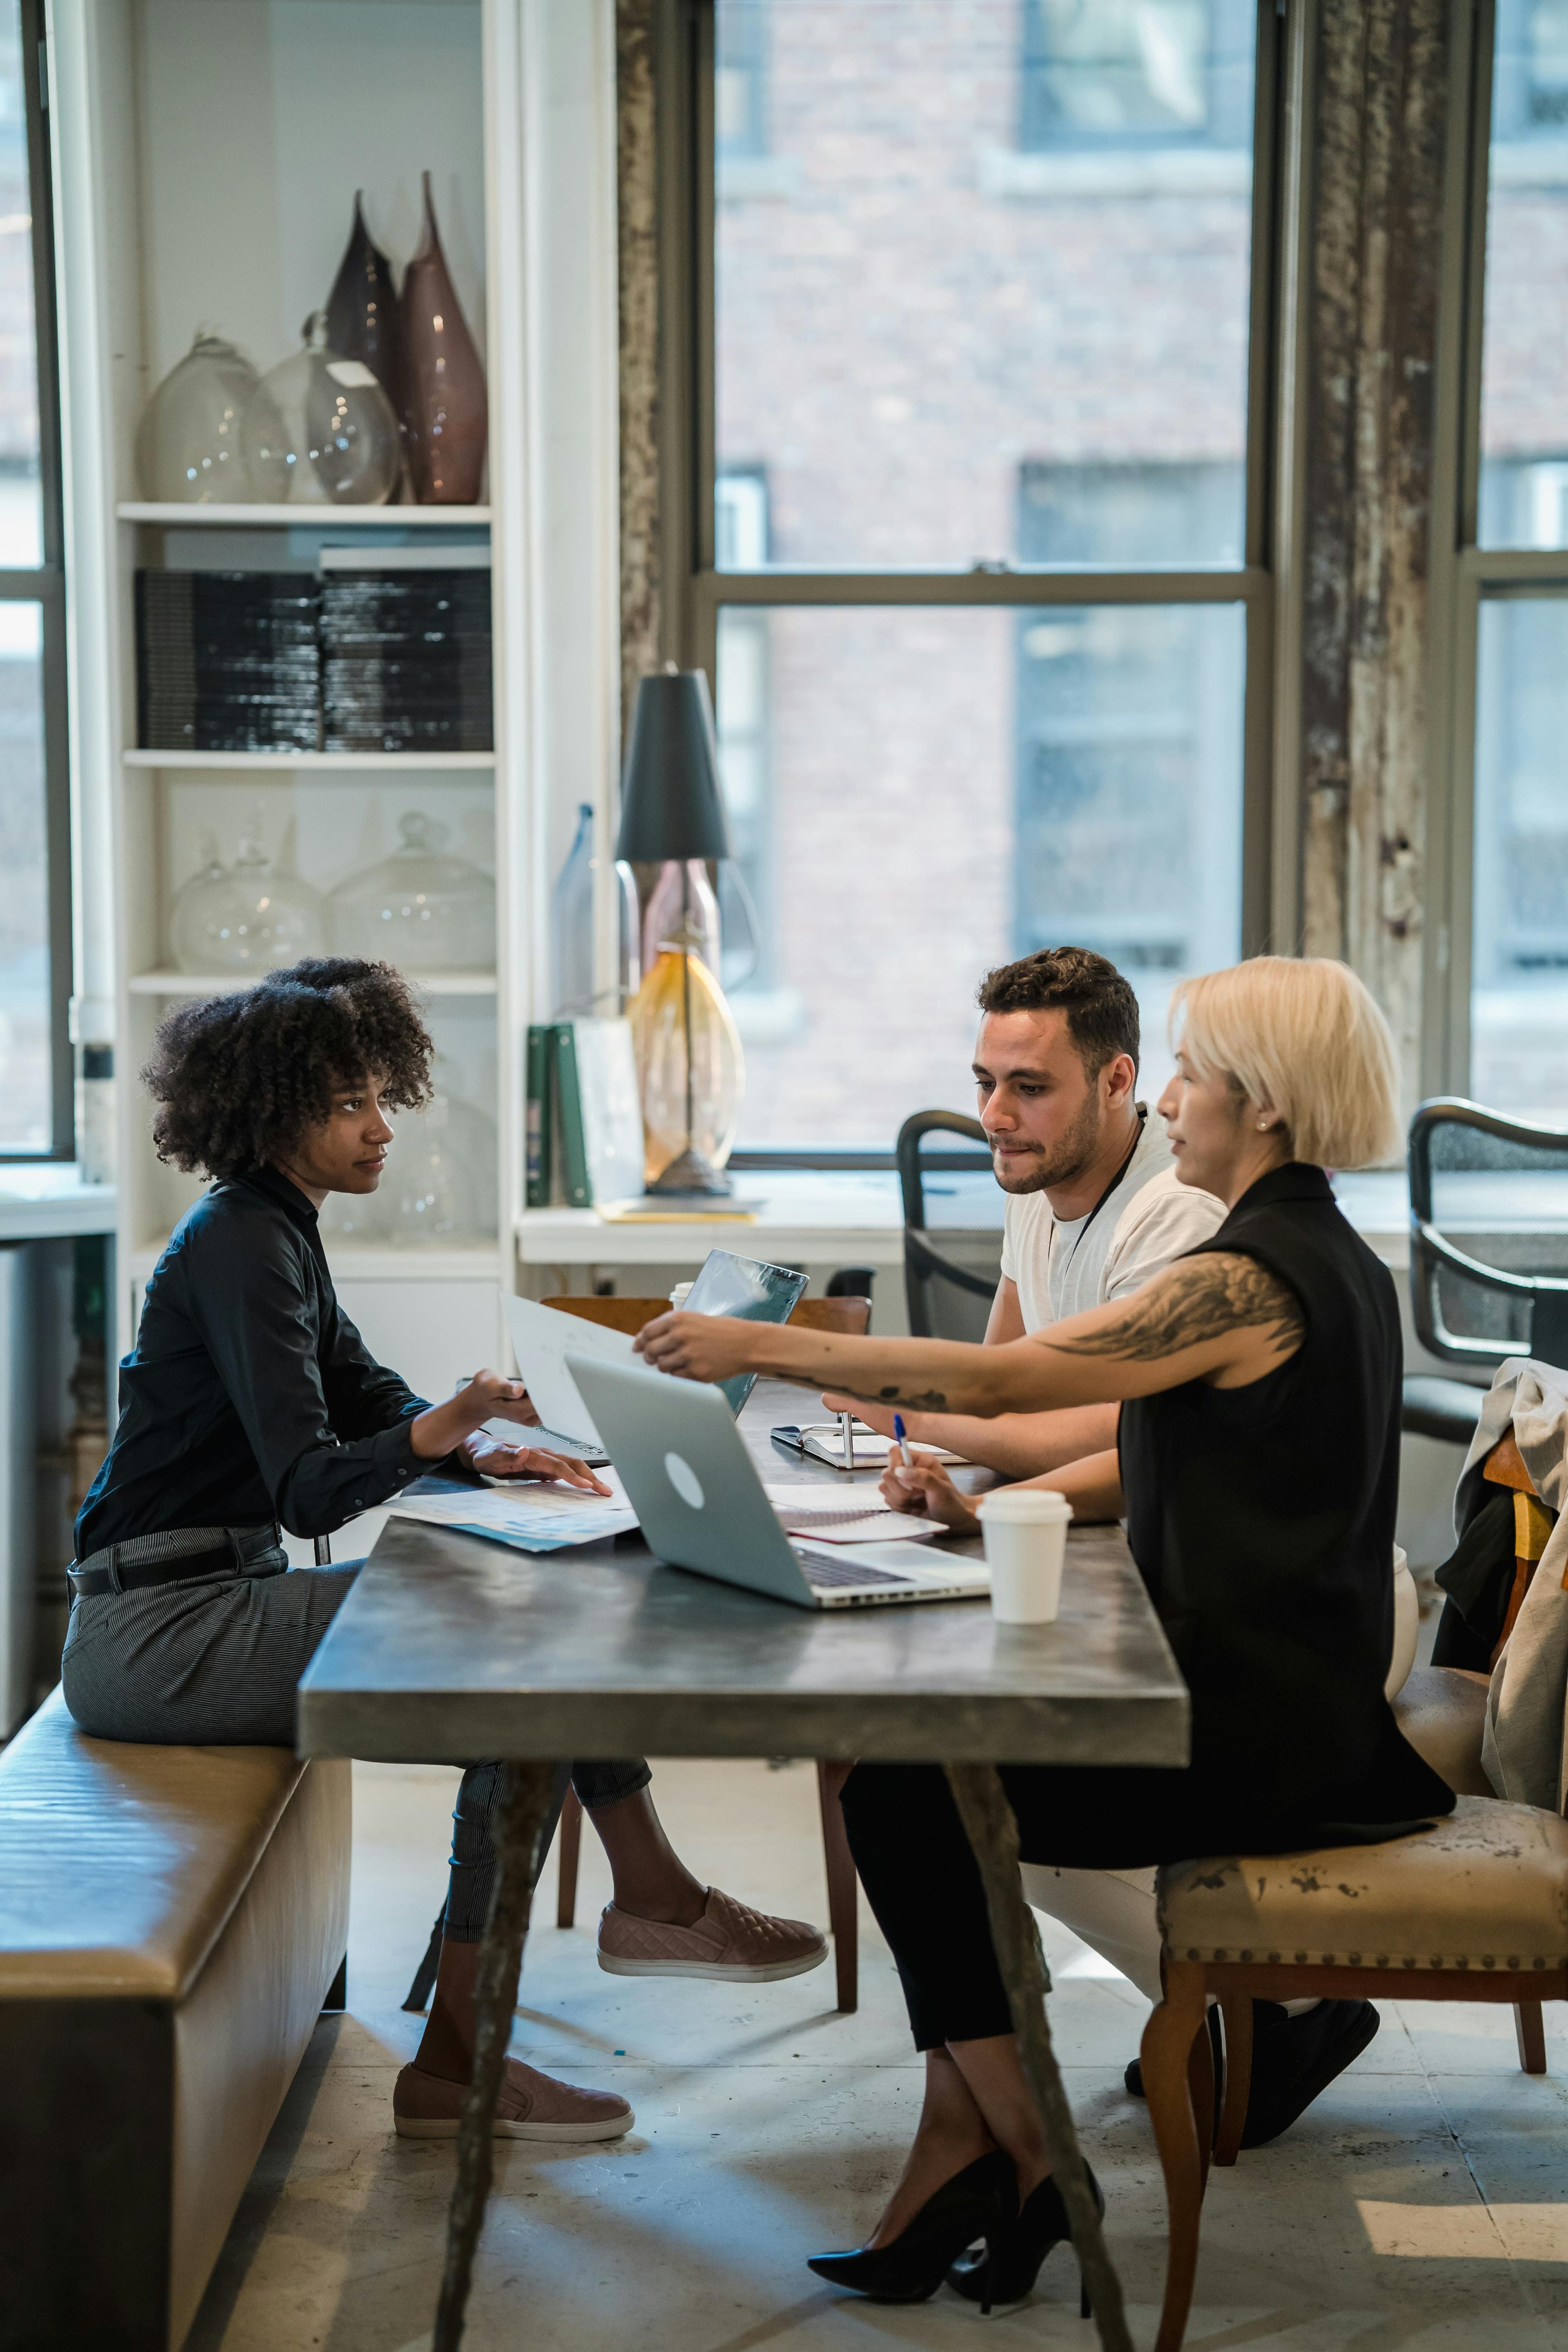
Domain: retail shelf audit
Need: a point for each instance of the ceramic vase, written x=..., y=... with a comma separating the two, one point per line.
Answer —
x=365, y=316
x=446, y=414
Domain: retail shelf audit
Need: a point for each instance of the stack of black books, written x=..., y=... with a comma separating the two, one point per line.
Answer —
x=227, y=661
x=406, y=661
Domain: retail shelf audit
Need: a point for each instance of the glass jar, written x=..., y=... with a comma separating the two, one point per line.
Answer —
x=419, y=908
x=682, y=906
x=246, y=917
x=325, y=429
x=191, y=448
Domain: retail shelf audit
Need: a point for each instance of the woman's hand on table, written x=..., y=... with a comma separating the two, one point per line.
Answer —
x=699, y=1347
x=926, y=1488
x=494, y=1460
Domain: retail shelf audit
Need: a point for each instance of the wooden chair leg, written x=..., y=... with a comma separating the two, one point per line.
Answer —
x=1236, y=2010
x=1529, y=2031
x=843, y=1898
x=1166, y=2057
x=571, y=1840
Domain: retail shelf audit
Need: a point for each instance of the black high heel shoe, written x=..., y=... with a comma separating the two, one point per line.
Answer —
x=981, y=2201
x=1012, y=2266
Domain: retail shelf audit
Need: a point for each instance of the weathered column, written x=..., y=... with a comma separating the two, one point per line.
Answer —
x=1381, y=99
x=636, y=150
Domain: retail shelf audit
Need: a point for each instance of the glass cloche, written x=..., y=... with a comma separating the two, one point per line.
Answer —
x=191, y=445
x=246, y=917
x=419, y=908
x=324, y=428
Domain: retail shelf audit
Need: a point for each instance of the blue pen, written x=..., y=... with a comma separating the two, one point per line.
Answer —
x=902, y=1442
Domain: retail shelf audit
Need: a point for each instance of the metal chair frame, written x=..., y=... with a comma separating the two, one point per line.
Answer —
x=1546, y=1294
x=920, y=1259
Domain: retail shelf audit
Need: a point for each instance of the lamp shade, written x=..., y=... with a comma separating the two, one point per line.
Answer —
x=671, y=805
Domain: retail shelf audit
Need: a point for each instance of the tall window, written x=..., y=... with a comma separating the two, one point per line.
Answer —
x=1514, y=618
x=980, y=541
x=35, y=965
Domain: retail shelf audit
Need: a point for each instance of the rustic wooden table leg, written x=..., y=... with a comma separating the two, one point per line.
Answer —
x=988, y=1821
x=527, y=1800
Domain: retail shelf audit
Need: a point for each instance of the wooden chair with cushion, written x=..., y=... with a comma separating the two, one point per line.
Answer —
x=1474, y=1910
x=851, y=1316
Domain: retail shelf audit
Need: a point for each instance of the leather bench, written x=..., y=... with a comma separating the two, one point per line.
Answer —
x=173, y=1921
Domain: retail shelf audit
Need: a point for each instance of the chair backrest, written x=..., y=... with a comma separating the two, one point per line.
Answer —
x=1489, y=1234
x=852, y=1315
x=952, y=1248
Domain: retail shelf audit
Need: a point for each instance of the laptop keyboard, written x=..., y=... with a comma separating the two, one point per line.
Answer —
x=822, y=1569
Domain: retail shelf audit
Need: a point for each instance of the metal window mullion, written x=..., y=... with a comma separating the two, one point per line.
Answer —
x=1482, y=31
x=45, y=585
x=1262, y=337
x=1490, y=569
x=1252, y=585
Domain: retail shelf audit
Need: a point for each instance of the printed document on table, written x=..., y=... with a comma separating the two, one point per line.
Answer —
x=803, y=1512
x=528, y=1516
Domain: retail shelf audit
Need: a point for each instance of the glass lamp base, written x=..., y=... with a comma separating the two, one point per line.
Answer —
x=692, y=1172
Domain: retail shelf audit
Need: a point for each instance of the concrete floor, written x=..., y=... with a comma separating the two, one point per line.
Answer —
x=1422, y=2204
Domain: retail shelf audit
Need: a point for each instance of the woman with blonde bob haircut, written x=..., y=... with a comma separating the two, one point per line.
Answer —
x=1302, y=1038
x=1259, y=1378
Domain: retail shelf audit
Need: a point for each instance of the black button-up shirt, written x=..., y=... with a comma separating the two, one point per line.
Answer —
x=249, y=1395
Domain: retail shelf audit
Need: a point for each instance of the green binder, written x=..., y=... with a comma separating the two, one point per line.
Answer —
x=537, y=1133
x=568, y=1110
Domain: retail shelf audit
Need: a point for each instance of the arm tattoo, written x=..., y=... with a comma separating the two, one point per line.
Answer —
x=1199, y=1298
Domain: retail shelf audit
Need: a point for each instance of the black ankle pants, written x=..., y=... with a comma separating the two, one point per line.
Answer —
x=924, y=1883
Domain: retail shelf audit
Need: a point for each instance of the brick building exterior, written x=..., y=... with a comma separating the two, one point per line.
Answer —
x=982, y=281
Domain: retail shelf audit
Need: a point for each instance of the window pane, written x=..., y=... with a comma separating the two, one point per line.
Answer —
x=958, y=238
x=25, y=1103
x=920, y=794
x=1524, y=366
x=21, y=526
x=1518, y=1001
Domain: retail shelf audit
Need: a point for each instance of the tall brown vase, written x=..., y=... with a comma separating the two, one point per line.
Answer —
x=446, y=415
x=365, y=317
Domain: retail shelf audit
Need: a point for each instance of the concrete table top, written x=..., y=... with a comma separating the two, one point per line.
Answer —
x=453, y=1649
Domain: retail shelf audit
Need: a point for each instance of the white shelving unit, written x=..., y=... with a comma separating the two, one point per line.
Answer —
x=328, y=763
x=208, y=158
x=176, y=516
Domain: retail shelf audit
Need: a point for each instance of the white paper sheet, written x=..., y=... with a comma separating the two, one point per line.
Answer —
x=529, y=1518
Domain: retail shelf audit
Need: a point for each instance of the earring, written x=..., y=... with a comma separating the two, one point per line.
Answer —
x=1263, y=1127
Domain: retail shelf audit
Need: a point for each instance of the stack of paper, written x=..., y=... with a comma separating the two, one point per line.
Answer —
x=835, y=1523
x=545, y=1517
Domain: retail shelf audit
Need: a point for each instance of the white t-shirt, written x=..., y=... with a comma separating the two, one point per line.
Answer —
x=1062, y=1269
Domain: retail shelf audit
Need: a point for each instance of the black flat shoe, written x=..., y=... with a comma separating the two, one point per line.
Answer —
x=1294, y=2060
x=1015, y=2259
x=981, y=2201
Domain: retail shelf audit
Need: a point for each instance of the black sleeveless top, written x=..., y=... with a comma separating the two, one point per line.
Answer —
x=1261, y=1519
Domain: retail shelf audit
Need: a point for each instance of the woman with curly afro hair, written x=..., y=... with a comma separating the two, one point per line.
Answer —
x=248, y=1405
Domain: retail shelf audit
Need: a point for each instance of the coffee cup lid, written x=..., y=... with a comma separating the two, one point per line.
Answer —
x=1030, y=1506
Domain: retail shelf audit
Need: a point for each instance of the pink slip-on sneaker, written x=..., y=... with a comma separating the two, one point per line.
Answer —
x=530, y=2105
x=730, y=1941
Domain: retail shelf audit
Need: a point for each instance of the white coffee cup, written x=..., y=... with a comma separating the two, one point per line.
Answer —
x=1026, y=1530
x=678, y=1296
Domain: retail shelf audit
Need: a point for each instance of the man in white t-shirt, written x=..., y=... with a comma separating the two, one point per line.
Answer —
x=1094, y=1208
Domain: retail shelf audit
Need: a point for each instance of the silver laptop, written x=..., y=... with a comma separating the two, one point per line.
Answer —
x=695, y=1491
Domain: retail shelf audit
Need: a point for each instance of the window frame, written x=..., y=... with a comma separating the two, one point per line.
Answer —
x=1465, y=575
x=44, y=585
x=694, y=590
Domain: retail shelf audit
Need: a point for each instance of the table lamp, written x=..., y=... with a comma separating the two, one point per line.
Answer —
x=688, y=1048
